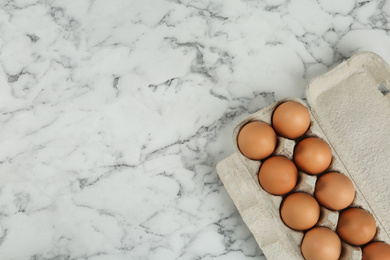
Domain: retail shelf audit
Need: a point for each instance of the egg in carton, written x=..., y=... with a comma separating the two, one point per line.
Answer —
x=350, y=110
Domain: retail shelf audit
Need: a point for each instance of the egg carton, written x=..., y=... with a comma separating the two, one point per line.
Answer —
x=350, y=110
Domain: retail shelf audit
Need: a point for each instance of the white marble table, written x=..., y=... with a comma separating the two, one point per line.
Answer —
x=114, y=114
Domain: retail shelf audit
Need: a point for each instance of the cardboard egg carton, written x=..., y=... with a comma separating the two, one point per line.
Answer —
x=350, y=110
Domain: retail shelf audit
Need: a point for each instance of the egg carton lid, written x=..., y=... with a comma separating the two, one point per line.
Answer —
x=351, y=104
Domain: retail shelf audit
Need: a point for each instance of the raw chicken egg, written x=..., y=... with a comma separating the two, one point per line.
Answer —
x=291, y=119
x=300, y=211
x=376, y=251
x=356, y=226
x=312, y=155
x=321, y=243
x=256, y=140
x=278, y=175
x=334, y=191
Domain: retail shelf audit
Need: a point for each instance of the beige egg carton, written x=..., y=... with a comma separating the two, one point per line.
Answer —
x=350, y=110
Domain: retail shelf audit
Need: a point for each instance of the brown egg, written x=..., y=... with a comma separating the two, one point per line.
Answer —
x=356, y=226
x=334, y=191
x=256, y=140
x=376, y=251
x=300, y=211
x=291, y=119
x=312, y=155
x=278, y=175
x=321, y=243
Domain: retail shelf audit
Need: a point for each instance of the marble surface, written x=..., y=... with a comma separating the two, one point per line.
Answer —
x=114, y=114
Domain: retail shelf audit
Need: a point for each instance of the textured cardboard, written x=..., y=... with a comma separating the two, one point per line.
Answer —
x=350, y=113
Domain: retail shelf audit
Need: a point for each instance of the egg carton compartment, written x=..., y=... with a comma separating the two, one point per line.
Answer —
x=306, y=183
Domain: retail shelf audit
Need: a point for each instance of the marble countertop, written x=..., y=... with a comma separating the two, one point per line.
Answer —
x=114, y=115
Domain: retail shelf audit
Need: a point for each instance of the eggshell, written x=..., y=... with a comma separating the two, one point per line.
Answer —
x=256, y=140
x=278, y=175
x=312, y=155
x=300, y=211
x=291, y=119
x=334, y=191
x=376, y=251
x=321, y=243
x=356, y=226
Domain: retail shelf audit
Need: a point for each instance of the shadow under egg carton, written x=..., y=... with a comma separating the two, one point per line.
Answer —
x=273, y=236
